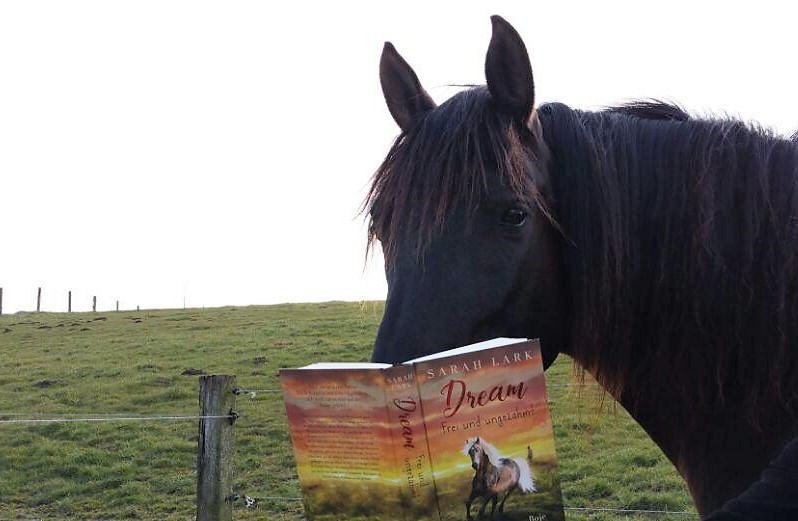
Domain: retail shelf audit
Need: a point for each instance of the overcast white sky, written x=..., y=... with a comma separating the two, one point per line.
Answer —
x=213, y=153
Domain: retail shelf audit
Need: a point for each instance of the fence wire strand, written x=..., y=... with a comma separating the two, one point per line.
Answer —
x=33, y=421
x=631, y=511
x=578, y=509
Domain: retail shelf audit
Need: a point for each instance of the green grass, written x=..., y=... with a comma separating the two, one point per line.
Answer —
x=133, y=363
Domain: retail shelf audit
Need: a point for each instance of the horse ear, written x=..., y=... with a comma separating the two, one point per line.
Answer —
x=406, y=98
x=508, y=71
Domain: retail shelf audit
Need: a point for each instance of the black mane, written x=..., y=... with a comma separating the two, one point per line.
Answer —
x=691, y=226
x=652, y=109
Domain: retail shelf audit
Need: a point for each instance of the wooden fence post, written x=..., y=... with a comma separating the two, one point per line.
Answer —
x=69, y=303
x=39, y=300
x=215, y=451
x=1, y=301
x=94, y=304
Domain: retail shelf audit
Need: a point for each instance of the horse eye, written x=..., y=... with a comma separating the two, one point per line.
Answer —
x=514, y=217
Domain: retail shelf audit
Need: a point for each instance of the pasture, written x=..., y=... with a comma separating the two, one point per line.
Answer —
x=131, y=364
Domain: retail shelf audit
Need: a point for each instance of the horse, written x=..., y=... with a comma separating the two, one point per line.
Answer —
x=657, y=249
x=494, y=476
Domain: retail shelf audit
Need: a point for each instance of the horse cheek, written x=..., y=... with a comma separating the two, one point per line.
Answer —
x=509, y=292
x=543, y=292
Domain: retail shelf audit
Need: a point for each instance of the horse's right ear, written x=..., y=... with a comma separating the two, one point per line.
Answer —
x=406, y=98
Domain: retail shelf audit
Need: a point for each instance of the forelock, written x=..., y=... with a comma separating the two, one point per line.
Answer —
x=441, y=166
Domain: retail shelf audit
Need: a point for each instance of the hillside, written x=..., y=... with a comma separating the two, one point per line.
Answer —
x=129, y=364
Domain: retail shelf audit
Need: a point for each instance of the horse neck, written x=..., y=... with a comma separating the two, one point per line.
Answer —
x=486, y=468
x=718, y=459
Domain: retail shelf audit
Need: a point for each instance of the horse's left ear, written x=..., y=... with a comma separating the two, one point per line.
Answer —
x=508, y=71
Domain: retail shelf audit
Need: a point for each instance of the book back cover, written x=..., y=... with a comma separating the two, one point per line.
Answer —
x=343, y=445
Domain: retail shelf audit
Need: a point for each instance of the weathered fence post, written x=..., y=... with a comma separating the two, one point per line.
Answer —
x=215, y=452
x=69, y=303
x=39, y=300
x=1, y=301
x=94, y=304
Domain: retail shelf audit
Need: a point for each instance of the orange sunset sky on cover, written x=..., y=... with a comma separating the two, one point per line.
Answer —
x=514, y=436
x=365, y=397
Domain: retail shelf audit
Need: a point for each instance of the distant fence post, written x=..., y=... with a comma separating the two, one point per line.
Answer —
x=69, y=302
x=1, y=301
x=39, y=300
x=94, y=304
x=215, y=451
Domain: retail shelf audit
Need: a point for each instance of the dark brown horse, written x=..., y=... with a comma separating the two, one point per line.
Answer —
x=658, y=250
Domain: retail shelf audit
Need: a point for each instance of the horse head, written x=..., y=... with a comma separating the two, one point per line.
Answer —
x=461, y=206
x=473, y=449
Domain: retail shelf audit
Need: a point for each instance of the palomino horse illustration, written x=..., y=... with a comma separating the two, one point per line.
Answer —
x=494, y=476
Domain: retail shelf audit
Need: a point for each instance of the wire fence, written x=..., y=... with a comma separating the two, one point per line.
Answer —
x=254, y=501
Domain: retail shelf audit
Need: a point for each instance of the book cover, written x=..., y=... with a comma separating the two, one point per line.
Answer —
x=490, y=436
x=445, y=437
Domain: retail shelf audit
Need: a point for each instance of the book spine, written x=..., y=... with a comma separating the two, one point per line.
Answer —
x=417, y=485
x=394, y=441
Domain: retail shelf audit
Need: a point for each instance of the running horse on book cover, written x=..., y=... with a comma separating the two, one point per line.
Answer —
x=658, y=250
x=494, y=476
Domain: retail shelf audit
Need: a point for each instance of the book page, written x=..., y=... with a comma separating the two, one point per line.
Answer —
x=479, y=346
x=345, y=365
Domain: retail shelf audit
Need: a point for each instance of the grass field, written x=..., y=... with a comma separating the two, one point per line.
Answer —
x=145, y=364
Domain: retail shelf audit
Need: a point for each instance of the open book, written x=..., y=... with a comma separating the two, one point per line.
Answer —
x=440, y=437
